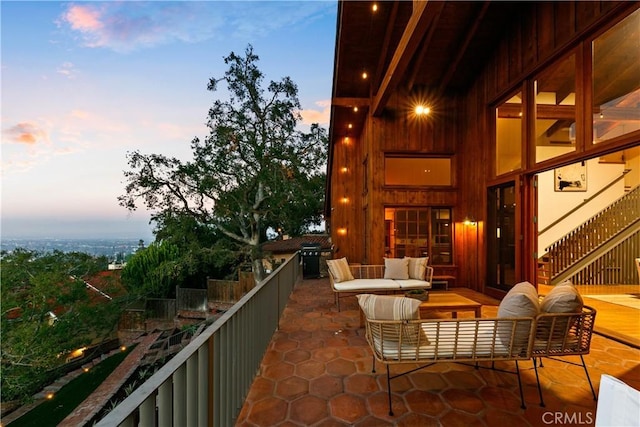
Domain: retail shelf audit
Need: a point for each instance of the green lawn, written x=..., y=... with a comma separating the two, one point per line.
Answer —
x=53, y=411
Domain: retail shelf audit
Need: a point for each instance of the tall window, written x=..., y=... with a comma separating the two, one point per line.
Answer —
x=419, y=232
x=509, y=135
x=616, y=80
x=555, y=98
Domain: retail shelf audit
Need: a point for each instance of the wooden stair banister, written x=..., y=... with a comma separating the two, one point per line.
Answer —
x=586, y=201
x=589, y=236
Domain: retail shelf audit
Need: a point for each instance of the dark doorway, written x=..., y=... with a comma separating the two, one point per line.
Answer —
x=501, y=237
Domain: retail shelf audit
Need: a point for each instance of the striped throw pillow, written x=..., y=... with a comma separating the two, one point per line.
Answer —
x=386, y=307
x=417, y=267
x=339, y=269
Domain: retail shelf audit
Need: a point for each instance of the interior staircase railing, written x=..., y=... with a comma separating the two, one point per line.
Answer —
x=587, y=237
x=585, y=202
x=612, y=265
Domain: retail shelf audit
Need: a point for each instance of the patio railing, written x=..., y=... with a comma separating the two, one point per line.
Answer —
x=206, y=383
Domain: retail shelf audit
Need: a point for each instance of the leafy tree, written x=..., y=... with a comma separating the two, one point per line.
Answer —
x=185, y=254
x=47, y=313
x=153, y=272
x=252, y=172
x=296, y=219
x=205, y=251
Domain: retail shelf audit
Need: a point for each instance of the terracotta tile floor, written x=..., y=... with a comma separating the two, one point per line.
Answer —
x=317, y=372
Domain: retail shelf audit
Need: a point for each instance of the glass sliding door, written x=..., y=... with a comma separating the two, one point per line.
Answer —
x=501, y=237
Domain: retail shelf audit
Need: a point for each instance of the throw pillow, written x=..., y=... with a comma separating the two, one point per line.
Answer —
x=563, y=298
x=520, y=301
x=396, y=268
x=417, y=267
x=386, y=307
x=339, y=269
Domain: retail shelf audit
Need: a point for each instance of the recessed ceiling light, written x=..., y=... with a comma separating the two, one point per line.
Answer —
x=421, y=110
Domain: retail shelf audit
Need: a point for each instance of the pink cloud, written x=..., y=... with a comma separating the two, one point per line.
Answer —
x=26, y=133
x=314, y=116
x=128, y=26
x=84, y=18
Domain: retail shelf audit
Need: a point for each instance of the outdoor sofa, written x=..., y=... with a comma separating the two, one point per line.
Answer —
x=526, y=327
x=395, y=276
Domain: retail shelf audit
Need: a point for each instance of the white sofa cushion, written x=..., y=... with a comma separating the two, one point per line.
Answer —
x=339, y=269
x=413, y=284
x=396, y=268
x=474, y=339
x=417, y=267
x=364, y=285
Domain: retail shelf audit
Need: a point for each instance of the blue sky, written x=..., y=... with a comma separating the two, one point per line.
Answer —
x=83, y=83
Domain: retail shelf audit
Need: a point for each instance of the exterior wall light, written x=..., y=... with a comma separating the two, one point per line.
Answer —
x=469, y=221
x=342, y=231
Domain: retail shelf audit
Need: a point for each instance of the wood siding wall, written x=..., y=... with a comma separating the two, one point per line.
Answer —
x=460, y=126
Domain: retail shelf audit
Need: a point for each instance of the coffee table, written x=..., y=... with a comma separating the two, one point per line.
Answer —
x=450, y=302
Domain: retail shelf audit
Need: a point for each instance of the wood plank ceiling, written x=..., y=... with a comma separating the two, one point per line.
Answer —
x=434, y=46
x=438, y=47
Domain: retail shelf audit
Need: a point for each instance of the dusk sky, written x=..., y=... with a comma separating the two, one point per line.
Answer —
x=83, y=83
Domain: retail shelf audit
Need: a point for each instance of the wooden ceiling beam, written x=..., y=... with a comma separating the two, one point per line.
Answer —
x=448, y=75
x=557, y=126
x=384, y=51
x=411, y=38
x=350, y=102
x=425, y=45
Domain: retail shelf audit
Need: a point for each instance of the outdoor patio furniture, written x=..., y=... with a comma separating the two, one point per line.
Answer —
x=396, y=334
x=395, y=276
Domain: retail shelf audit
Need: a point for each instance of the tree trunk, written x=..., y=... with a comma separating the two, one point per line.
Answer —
x=258, y=270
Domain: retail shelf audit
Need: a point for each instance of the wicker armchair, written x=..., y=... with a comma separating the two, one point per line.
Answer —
x=428, y=341
x=560, y=335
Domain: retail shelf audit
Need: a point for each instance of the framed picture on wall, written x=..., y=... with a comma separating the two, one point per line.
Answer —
x=571, y=178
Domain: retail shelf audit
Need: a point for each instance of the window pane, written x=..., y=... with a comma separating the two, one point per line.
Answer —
x=410, y=236
x=616, y=80
x=416, y=171
x=509, y=135
x=441, y=242
x=555, y=96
